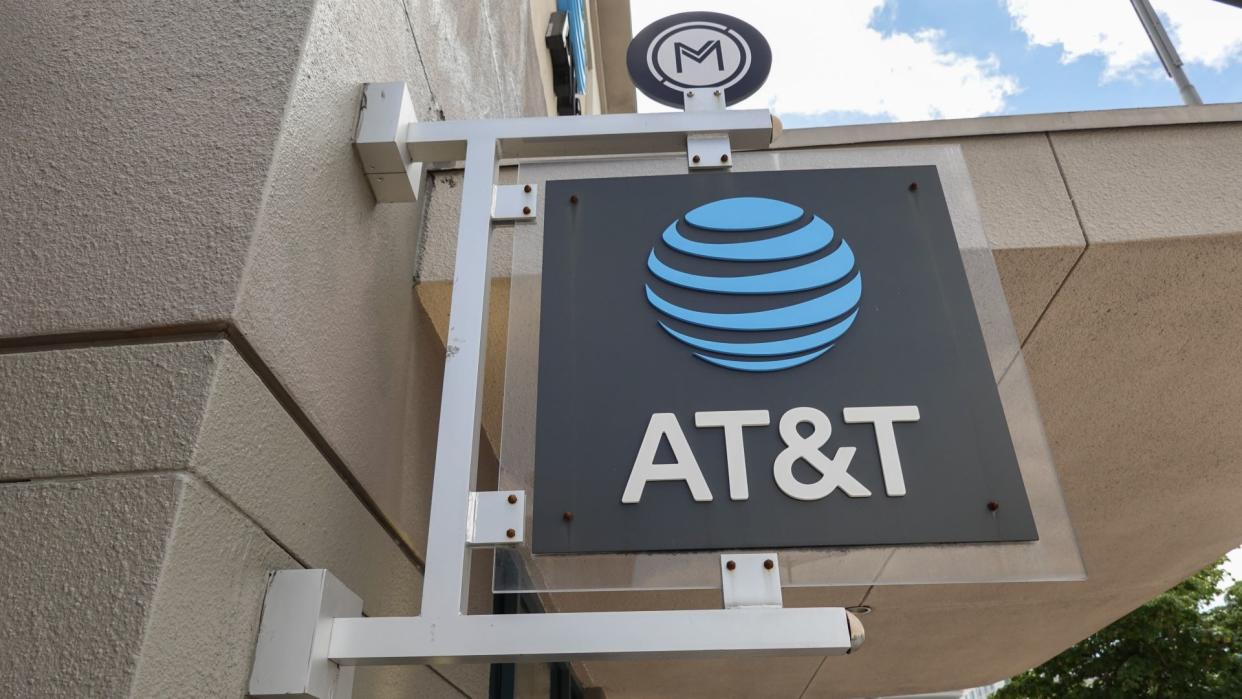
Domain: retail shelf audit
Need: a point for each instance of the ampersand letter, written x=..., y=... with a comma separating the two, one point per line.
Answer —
x=832, y=470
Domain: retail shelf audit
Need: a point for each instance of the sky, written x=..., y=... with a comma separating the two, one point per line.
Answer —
x=865, y=61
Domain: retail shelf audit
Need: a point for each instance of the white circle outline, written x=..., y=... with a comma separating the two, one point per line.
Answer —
x=741, y=73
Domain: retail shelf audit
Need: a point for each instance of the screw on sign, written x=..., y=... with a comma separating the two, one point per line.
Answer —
x=673, y=56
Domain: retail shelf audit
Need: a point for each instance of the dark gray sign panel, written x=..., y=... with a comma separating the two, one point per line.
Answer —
x=764, y=360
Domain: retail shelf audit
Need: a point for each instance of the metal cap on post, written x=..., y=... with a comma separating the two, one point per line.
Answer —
x=857, y=633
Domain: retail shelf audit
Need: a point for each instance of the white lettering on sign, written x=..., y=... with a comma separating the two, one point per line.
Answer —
x=684, y=468
x=735, y=448
x=883, y=419
x=834, y=470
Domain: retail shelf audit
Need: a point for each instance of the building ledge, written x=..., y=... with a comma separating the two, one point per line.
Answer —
x=1014, y=124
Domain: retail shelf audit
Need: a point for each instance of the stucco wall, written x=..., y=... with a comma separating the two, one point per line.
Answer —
x=66, y=574
x=161, y=542
x=211, y=343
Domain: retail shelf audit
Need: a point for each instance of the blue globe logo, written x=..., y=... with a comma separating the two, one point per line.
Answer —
x=806, y=328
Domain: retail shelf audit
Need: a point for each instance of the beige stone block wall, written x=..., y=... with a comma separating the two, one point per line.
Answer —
x=1154, y=182
x=190, y=170
x=1028, y=217
x=160, y=551
x=205, y=317
x=80, y=560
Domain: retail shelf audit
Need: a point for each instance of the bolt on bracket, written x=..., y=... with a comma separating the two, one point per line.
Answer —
x=750, y=580
x=514, y=202
x=496, y=518
x=707, y=100
x=709, y=151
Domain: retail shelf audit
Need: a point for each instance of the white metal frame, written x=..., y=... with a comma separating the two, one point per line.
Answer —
x=444, y=632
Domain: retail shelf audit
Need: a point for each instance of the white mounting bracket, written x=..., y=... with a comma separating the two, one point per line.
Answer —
x=383, y=119
x=750, y=580
x=300, y=612
x=704, y=101
x=515, y=202
x=297, y=640
x=497, y=518
x=291, y=658
x=707, y=151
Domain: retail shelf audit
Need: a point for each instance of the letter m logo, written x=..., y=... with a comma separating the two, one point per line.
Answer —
x=700, y=54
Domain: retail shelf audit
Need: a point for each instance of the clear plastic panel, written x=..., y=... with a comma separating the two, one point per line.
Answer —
x=1055, y=556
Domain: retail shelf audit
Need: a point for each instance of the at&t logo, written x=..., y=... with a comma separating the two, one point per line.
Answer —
x=800, y=309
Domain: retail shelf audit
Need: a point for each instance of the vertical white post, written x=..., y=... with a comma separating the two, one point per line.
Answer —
x=446, y=583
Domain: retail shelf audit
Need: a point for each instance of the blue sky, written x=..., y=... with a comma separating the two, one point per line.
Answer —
x=860, y=61
x=1048, y=85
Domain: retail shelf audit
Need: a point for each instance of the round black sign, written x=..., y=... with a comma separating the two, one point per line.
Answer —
x=698, y=51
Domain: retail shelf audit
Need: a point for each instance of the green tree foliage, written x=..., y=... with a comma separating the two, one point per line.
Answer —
x=1177, y=645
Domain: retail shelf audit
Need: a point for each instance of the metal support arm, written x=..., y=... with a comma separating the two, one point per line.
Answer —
x=311, y=626
x=609, y=134
x=595, y=636
x=482, y=144
x=303, y=642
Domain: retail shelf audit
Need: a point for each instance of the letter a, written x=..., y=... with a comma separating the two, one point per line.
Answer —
x=684, y=468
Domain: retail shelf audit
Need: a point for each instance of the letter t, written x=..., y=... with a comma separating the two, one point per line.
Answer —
x=735, y=449
x=883, y=418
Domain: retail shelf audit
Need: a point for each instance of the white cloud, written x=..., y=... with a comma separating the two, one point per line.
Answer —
x=826, y=58
x=1205, y=32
